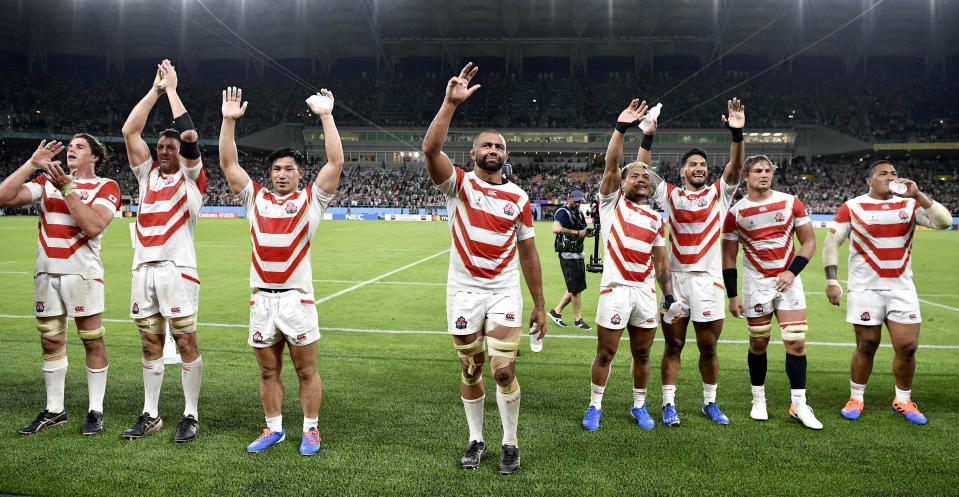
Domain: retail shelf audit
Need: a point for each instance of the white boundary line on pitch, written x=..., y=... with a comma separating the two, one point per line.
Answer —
x=15, y=272
x=431, y=332
x=423, y=283
x=384, y=275
x=939, y=305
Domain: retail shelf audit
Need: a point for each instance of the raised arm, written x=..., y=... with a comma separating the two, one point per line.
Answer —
x=532, y=273
x=933, y=214
x=189, y=149
x=628, y=118
x=137, y=150
x=322, y=105
x=236, y=177
x=733, y=172
x=13, y=192
x=91, y=219
x=438, y=165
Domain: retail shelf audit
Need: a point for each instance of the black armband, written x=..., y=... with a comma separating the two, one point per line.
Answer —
x=622, y=126
x=189, y=150
x=647, y=142
x=730, y=279
x=797, y=265
x=668, y=301
x=737, y=134
x=183, y=123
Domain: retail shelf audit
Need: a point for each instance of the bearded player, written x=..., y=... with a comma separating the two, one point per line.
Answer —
x=75, y=210
x=166, y=287
x=696, y=212
x=282, y=224
x=880, y=226
x=764, y=222
x=490, y=220
x=635, y=253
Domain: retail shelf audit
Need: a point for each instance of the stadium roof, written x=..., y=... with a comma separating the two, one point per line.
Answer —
x=387, y=30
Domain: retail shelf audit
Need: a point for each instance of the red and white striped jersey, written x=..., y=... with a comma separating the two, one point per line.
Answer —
x=169, y=208
x=62, y=248
x=630, y=231
x=695, y=223
x=765, y=230
x=486, y=220
x=880, y=236
x=281, y=229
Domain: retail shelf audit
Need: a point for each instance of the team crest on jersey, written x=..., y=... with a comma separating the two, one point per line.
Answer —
x=290, y=208
x=135, y=309
x=460, y=323
x=780, y=217
x=903, y=215
x=701, y=202
x=758, y=308
x=477, y=199
x=257, y=337
x=616, y=319
x=39, y=306
x=864, y=316
x=84, y=195
x=510, y=316
x=509, y=210
x=653, y=225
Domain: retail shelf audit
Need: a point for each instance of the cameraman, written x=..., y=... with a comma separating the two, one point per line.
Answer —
x=569, y=224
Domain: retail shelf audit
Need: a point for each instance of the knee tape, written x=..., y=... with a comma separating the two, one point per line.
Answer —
x=466, y=353
x=150, y=324
x=183, y=325
x=472, y=381
x=56, y=360
x=759, y=330
x=502, y=352
x=52, y=326
x=92, y=334
x=794, y=331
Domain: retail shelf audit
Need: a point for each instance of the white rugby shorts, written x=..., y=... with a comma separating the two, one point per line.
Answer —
x=165, y=288
x=704, y=295
x=466, y=311
x=873, y=307
x=70, y=294
x=622, y=304
x=764, y=301
x=275, y=315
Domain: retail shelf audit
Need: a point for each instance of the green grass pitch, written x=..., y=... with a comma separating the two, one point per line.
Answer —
x=392, y=421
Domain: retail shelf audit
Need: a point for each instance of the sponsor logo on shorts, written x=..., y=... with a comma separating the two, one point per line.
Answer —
x=651, y=320
x=616, y=319
x=39, y=306
x=460, y=323
x=509, y=210
x=135, y=309
x=290, y=208
x=78, y=308
x=780, y=217
x=903, y=215
x=758, y=308
x=912, y=316
x=510, y=316
x=864, y=316
x=257, y=337
x=174, y=310
x=301, y=337
x=706, y=314
x=701, y=202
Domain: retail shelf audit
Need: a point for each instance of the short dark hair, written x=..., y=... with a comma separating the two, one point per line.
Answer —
x=872, y=167
x=752, y=160
x=489, y=132
x=692, y=152
x=171, y=133
x=96, y=147
x=287, y=152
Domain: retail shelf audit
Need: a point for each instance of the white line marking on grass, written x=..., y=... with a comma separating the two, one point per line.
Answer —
x=8, y=262
x=384, y=275
x=15, y=272
x=939, y=305
x=383, y=282
x=433, y=332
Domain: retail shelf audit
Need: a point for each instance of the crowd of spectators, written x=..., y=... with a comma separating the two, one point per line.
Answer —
x=901, y=108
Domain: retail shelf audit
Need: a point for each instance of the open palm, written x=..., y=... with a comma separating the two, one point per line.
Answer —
x=737, y=114
x=458, y=88
x=634, y=112
x=232, y=109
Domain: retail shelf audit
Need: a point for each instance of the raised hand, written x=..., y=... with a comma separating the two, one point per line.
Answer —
x=458, y=88
x=321, y=103
x=633, y=113
x=912, y=189
x=231, y=109
x=737, y=114
x=168, y=74
x=45, y=152
x=55, y=175
x=159, y=84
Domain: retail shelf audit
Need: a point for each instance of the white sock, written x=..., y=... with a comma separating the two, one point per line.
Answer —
x=190, y=376
x=309, y=423
x=709, y=393
x=474, y=417
x=97, y=387
x=596, y=395
x=759, y=392
x=903, y=395
x=152, y=381
x=639, y=397
x=508, y=404
x=275, y=424
x=55, y=376
x=856, y=391
x=799, y=397
x=669, y=395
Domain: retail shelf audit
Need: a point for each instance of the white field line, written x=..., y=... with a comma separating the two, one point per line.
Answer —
x=15, y=272
x=549, y=336
x=384, y=275
x=939, y=305
x=383, y=282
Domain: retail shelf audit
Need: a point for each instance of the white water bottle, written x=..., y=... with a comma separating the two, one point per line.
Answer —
x=535, y=342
